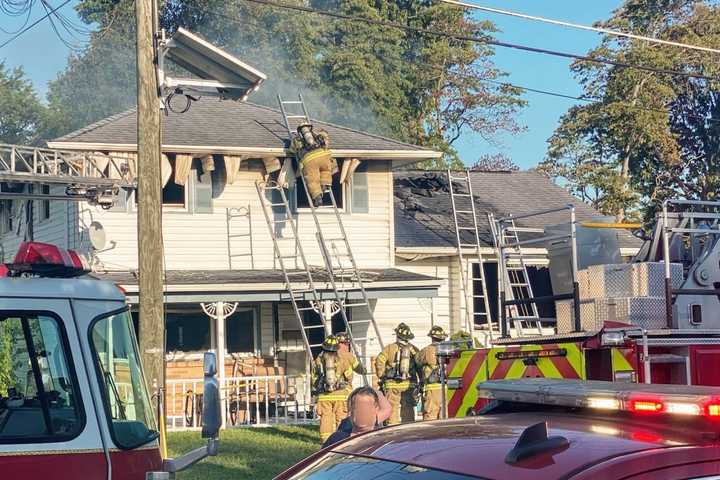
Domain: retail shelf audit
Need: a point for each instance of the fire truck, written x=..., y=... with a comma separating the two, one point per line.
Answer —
x=655, y=319
x=74, y=403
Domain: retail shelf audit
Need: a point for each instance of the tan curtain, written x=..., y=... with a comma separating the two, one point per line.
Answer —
x=232, y=166
x=183, y=162
x=272, y=164
x=101, y=161
x=165, y=169
x=348, y=169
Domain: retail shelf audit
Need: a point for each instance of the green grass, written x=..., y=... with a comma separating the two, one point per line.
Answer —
x=247, y=453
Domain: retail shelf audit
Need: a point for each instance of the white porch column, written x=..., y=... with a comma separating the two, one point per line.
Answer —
x=218, y=312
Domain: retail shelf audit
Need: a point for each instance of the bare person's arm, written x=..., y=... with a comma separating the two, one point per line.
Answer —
x=385, y=409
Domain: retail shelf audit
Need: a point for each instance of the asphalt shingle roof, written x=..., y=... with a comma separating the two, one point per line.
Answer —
x=211, y=122
x=423, y=209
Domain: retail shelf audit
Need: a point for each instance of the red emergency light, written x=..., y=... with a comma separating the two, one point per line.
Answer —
x=46, y=260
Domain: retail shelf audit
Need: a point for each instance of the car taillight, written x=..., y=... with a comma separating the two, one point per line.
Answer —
x=3, y=271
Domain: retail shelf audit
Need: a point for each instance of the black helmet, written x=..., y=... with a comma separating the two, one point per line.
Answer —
x=330, y=344
x=403, y=332
x=437, y=333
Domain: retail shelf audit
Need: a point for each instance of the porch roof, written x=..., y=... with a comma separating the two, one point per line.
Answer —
x=193, y=286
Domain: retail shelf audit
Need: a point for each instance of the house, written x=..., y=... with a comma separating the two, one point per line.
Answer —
x=426, y=243
x=223, y=288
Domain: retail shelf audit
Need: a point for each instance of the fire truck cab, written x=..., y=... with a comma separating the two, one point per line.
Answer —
x=74, y=402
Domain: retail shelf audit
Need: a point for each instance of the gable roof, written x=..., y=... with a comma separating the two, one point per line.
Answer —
x=230, y=126
x=423, y=208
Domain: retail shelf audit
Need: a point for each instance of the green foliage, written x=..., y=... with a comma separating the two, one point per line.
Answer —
x=644, y=136
x=20, y=108
x=412, y=87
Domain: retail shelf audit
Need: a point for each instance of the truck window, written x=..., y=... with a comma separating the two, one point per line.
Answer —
x=125, y=395
x=39, y=401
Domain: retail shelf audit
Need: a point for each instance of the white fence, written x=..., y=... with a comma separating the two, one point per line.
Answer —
x=246, y=401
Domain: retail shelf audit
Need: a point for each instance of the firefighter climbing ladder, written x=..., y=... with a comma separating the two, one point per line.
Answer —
x=512, y=270
x=343, y=273
x=465, y=219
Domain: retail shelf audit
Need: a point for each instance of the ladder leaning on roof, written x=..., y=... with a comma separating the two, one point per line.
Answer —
x=512, y=271
x=465, y=220
x=341, y=267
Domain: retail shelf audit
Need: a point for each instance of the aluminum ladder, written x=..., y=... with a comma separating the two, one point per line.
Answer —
x=239, y=213
x=465, y=220
x=512, y=270
x=344, y=276
x=299, y=281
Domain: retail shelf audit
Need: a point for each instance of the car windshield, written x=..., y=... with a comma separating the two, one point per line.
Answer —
x=352, y=467
x=121, y=379
x=39, y=401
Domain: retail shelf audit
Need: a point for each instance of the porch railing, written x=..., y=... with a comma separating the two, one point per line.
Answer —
x=246, y=401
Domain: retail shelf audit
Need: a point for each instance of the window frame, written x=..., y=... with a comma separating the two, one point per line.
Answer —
x=99, y=375
x=6, y=216
x=44, y=213
x=257, y=341
x=345, y=191
x=67, y=349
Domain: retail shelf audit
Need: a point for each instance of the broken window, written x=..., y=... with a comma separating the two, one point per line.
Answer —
x=338, y=190
x=6, y=219
x=174, y=195
x=187, y=331
x=241, y=332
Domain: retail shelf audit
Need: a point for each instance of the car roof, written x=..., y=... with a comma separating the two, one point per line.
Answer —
x=477, y=446
x=75, y=288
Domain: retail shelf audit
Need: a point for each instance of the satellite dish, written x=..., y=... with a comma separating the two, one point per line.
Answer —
x=96, y=234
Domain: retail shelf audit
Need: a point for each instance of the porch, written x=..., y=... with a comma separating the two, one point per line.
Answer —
x=243, y=317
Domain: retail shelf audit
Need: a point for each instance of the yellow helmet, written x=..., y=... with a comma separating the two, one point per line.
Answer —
x=342, y=337
x=330, y=344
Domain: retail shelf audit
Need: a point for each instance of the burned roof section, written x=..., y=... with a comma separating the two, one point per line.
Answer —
x=423, y=206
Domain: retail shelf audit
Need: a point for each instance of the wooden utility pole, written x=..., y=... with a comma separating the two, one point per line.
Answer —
x=150, y=254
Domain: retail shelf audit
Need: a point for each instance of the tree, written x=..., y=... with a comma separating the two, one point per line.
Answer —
x=409, y=86
x=20, y=109
x=629, y=147
x=494, y=163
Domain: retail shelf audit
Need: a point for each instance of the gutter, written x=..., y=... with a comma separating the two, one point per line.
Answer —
x=251, y=151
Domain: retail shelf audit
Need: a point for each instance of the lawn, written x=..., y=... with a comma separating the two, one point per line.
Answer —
x=245, y=453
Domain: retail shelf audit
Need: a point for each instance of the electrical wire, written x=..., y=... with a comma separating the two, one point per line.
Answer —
x=606, y=31
x=468, y=38
x=21, y=32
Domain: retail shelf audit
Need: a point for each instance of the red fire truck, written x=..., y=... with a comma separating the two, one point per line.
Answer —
x=73, y=399
x=655, y=319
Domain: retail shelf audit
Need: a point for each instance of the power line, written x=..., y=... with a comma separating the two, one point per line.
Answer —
x=47, y=15
x=474, y=39
x=606, y=31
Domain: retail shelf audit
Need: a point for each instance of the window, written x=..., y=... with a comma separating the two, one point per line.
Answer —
x=241, y=332
x=6, y=219
x=45, y=204
x=39, y=399
x=125, y=395
x=338, y=189
x=349, y=467
x=361, y=189
x=187, y=331
x=174, y=195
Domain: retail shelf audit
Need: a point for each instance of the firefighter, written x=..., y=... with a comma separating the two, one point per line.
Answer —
x=332, y=383
x=429, y=371
x=344, y=350
x=464, y=339
x=315, y=161
x=396, y=369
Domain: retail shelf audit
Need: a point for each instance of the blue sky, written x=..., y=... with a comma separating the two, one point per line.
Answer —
x=42, y=56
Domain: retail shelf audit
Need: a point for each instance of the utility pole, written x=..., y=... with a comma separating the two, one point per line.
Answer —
x=150, y=257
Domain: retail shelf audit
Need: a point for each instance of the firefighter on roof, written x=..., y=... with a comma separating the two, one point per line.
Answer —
x=332, y=376
x=396, y=369
x=429, y=371
x=315, y=161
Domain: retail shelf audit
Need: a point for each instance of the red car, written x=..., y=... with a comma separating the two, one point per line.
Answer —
x=548, y=430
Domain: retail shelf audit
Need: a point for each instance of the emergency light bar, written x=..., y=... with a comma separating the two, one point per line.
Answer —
x=46, y=260
x=595, y=394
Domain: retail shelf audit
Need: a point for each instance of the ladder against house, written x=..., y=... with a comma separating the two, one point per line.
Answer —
x=300, y=287
x=238, y=221
x=467, y=238
x=513, y=273
x=344, y=278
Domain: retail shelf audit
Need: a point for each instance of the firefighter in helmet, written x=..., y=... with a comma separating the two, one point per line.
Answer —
x=345, y=351
x=464, y=339
x=315, y=162
x=396, y=369
x=332, y=376
x=429, y=370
